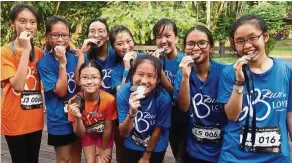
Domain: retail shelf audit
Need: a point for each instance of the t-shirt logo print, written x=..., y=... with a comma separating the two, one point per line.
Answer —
x=169, y=77
x=106, y=74
x=31, y=76
x=71, y=80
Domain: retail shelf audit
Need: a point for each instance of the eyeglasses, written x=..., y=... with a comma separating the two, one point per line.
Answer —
x=93, y=78
x=57, y=36
x=203, y=44
x=93, y=32
x=251, y=40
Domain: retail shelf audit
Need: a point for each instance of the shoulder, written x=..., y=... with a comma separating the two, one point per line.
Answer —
x=164, y=96
x=218, y=66
x=71, y=55
x=124, y=90
x=180, y=56
x=106, y=96
x=38, y=52
x=6, y=51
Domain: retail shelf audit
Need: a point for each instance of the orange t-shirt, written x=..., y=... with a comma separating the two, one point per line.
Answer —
x=97, y=112
x=17, y=116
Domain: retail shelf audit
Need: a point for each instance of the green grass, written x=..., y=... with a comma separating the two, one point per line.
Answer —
x=282, y=48
x=227, y=60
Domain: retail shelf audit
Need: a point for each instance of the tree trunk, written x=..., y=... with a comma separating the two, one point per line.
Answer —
x=221, y=48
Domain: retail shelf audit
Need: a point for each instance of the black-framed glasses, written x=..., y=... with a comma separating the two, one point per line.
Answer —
x=57, y=36
x=251, y=40
x=203, y=44
x=93, y=32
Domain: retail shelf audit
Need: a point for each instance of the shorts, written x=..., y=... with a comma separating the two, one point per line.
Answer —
x=90, y=139
x=61, y=140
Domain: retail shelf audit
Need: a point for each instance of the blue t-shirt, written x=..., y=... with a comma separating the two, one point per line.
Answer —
x=155, y=111
x=273, y=99
x=117, y=74
x=48, y=68
x=204, y=111
x=106, y=65
x=170, y=68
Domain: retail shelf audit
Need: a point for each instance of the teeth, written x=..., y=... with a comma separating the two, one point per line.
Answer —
x=251, y=54
x=195, y=56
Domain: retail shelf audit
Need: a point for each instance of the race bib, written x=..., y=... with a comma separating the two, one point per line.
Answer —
x=211, y=134
x=31, y=100
x=66, y=107
x=267, y=139
x=139, y=140
x=97, y=127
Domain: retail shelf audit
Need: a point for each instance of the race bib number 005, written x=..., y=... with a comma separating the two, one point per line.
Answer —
x=266, y=139
x=211, y=134
x=31, y=100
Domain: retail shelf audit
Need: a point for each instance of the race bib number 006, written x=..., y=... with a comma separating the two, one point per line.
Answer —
x=211, y=134
x=266, y=139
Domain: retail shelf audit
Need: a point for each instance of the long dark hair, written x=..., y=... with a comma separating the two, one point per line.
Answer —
x=94, y=48
x=51, y=21
x=13, y=15
x=113, y=34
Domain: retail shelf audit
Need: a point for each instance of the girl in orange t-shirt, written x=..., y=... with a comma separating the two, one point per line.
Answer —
x=21, y=97
x=93, y=112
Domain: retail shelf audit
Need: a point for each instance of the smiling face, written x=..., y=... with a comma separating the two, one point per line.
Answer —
x=197, y=43
x=250, y=40
x=25, y=21
x=123, y=43
x=90, y=80
x=59, y=35
x=167, y=40
x=97, y=30
x=146, y=75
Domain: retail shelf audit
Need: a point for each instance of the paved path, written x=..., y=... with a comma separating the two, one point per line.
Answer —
x=47, y=153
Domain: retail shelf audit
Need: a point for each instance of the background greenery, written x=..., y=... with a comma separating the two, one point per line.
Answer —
x=140, y=17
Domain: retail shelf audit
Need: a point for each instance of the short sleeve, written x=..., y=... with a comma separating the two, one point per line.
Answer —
x=177, y=83
x=8, y=67
x=112, y=110
x=116, y=78
x=163, y=118
x=48, y=77
x=122, y=104
x=226, y=82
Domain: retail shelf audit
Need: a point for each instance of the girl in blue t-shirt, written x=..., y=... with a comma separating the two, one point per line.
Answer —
x=257, y=95
x=166, y=37
x=195, y=91
x=96, y=47
x=144, y=114
x=122, y=41
x=56, y=71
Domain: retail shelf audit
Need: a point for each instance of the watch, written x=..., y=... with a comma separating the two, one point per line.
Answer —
x=238, y=91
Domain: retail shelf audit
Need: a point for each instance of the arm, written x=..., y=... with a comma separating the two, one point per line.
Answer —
x=62, y=83
x=123, y=80
x=126, y=126
x=78, y=126
x=152, y=143
x=166, y=84
x=234, y=105
x=289, y=123
x=18, y=81
x=108, y=129
x=183, y=98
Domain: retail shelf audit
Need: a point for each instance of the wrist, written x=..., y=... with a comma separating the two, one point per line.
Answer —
x=238, y=89
x=125, y=74
x=147, y=154
x=62, y=65
x=239, y=82
x=131, y=115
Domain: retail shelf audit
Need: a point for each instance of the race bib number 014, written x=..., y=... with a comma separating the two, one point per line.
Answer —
x=31, y=100
x=266, y=139
x=211, y=134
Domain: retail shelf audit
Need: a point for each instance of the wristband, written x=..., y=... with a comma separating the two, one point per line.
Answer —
x=238, y=91
x=125, y=74
x=239, y=83
x=132, y=116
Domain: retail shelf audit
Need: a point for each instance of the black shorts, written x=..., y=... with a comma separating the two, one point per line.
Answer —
x=133, y=156
x=60, y=140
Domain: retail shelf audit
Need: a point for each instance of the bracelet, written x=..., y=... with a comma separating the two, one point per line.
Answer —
x=239, y=83
x=125, y=74
x=132, y=116
x=238, y=91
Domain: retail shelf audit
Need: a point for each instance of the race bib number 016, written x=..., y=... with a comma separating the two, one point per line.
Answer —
x=266, y=140
x=211, y=134
x=31, y=100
